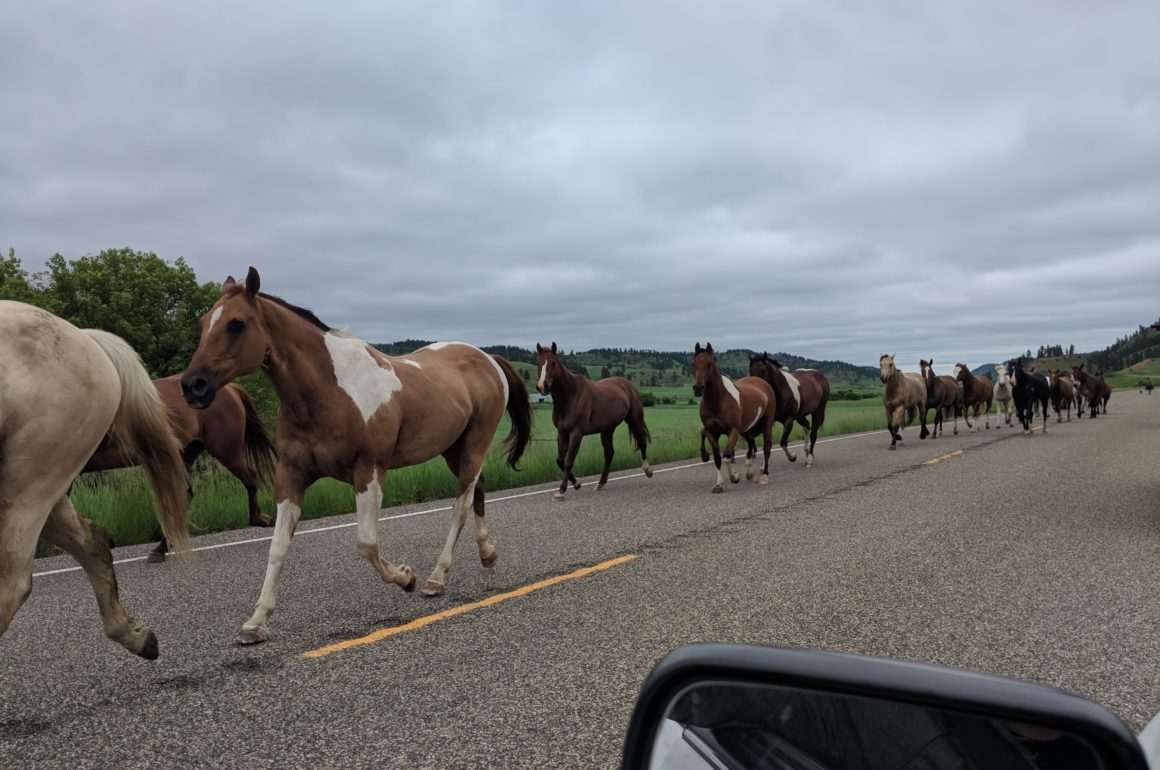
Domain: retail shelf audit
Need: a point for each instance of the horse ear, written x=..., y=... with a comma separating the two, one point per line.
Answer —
x=229, y=283
x=553, y=347
x=708, y=347
x=892, y=355
x=696, y=348
x=539, y=348
x=253, y=283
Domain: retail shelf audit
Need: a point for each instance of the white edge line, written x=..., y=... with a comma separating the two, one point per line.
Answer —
x=491, y=500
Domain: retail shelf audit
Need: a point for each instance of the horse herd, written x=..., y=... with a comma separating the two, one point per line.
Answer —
x=73, y=401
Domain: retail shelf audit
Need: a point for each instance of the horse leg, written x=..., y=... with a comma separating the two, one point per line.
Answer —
x=89, y=543
x=890, y=427
x=487, y=552
x=816, y=420
x=730, y=446
x=606, y=442
x=750, y=452
x=466, y=461
x=899, y=422
x=639, y=430
x=704, y=452
x=715, y=444
x=572, y=447
x=786, y=427
x=20, y=523
x=766, y=448
x=561, y=455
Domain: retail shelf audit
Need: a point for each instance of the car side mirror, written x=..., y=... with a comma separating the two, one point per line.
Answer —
x=735, y=706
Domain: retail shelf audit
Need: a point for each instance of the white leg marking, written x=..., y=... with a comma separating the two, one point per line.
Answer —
x=288, y=515
x=458, y=519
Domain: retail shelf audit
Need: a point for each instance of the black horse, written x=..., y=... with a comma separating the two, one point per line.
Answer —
x=1028, y=389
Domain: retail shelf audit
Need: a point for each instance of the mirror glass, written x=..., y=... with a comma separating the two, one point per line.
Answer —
x=744, y=725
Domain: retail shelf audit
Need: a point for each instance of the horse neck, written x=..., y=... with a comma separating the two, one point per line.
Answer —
x=297, y=360
x=564, y=389
x=895, y=381
x=776, y=378
x=715, y=388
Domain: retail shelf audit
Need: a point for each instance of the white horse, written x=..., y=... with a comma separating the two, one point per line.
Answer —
x=1003, y=393
x=62, y=391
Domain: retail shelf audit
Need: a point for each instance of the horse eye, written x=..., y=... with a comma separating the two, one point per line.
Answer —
x=236, y=326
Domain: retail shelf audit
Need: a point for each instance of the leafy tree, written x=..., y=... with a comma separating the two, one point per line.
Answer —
x=15, y=283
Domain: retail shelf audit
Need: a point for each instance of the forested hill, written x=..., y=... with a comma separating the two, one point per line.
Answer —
x=1132, y=349
x=655, y=368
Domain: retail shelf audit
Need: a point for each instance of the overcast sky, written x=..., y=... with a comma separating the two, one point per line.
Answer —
x=835, y=180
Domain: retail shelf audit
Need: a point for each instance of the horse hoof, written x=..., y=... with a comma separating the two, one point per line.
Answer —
x=432, y=588
x=892, y=446
x=734, y=479
x=749, y=475
x=558, y=496
x=410, y=586
x=576, y=485
x=704, y=458
x=155, y=557
x=149, y=650
x=489, y=561
x=763, y=480
x=253, y=635
x=648, y=471
x=261, y=521
x=716, y=489
x=599, y=487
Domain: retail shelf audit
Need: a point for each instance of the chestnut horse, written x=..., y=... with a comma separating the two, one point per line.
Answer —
x=801, y=396
x=350, y=413
x=1002, y=393
x=1062, y=394
x=1029, y=389
x=734, y=409
x=942, y=395
x=230, y=429
x=62, y=391
x=581, y=407
x=903, y=395
x=977, y=393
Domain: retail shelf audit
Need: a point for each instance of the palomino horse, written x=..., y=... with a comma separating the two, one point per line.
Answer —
x=943, y=396
x=62, y=390
x=801, y=396
x=230, y=429
x=903, y=395
x=734, y=409
x=1062, y=394
x=581, y=407
x=977, y=393
x=1003, y=394
x=351, y=413
x=1094, y=390
x=1029, y=389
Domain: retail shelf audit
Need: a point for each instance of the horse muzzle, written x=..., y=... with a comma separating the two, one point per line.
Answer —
x=698, y=390
x=198, y=389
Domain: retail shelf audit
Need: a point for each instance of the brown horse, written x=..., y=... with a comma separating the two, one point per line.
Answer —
x=62, y=390
x=801, y=396
x=902, y=396
x=1062, y=394
x=978, y=393
x=351, y=413
x=1105, y=392
x=942, y=395
x=734, y=409
x=1092, y=389
x=581, y=407
x=230, y=429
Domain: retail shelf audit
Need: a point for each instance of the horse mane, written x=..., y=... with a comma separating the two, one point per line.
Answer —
x=299, y=311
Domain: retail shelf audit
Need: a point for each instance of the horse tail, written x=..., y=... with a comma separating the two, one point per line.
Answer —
x=911, y=411
x=519, y=408
x=260, y=452
x=641, y=437
x=141, y=425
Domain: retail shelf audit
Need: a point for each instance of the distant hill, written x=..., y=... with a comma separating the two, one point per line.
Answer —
x=1124, y=352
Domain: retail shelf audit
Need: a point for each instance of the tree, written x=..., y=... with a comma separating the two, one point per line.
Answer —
x=16, y=285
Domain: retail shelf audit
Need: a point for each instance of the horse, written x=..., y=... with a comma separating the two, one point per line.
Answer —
x=942, y=395
x=743, y=408
x=62, y=391
x=350, y=413
x=902, y=396
x=977, y=393
x=581, y=407
x=1028, y=388
x=1002, y=394
x=230, y=430
x=801, y=396
x=1062, y=394
x=1091, y=389
x=1147, y=385
x=1105, y=391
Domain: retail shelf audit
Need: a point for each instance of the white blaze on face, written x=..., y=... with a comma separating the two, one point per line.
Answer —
x=217, y=314
x=957, y=368
x=543, y=376
x=729, y=386
x=794, y=388
x=369, y=385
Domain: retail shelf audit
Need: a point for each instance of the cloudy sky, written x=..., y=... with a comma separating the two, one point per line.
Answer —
x=837, y=180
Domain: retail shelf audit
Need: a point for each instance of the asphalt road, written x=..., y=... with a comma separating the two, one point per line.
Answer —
x=1036, y=558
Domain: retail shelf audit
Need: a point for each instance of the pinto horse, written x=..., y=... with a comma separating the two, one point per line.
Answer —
x=801, y=396
x=581, y=407
x=942, y=395
x=977, y=393
x=1091, y=389
x=230, y=430
x=351, y=413
x=1003, y=394
x=734, y=409
x=1062, y=394
x=1029, y=389
x=903, y=395
x=62, y=391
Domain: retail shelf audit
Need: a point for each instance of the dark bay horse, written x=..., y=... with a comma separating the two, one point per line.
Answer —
x=734, y=409
x=977, y=394
x=1029, y=389
x=903, y=394
x=581, y=407
x=350, y=413
x=1105, y=392
x=230, y=430
x=942, y=395
x=1092, y=389
x=801, y=395
x=62, y=391
x=1062, y=394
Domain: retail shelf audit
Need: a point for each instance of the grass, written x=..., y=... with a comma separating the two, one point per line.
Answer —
x=120, y=500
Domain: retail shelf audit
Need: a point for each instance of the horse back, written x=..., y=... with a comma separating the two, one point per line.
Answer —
x=758, y=401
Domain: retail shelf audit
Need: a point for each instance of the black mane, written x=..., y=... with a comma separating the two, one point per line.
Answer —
x=301, y=311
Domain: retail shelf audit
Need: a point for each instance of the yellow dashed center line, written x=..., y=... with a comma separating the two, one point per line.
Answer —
x=418, y=623
x=937, y=460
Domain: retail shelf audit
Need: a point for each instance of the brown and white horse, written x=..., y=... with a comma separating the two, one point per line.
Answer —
x=581, y=407
x=351, y=413
x=230, y=430
x=62, y=391
x=942, y=395
x=734, y=409
x=903, y=394
x=801, y=395
x=1062, y=394
x=978, y=393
